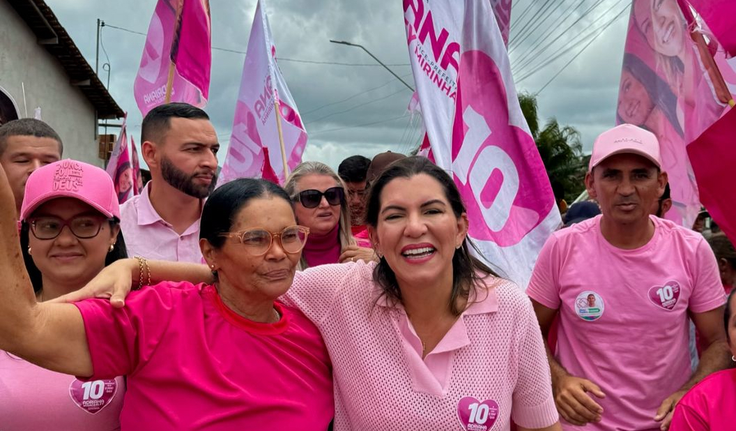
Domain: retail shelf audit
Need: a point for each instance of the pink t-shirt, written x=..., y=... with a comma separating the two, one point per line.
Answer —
x=709, y=405
x=489, y=368
x=148, y=235
x=33, y=398
x=624, y=313
x=192, y=363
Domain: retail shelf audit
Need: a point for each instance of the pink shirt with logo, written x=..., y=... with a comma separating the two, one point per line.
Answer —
x=709, y=405
x=624, y=313
x=489, y=368
x=192, y=363
x=35, y=399
x=148, y=235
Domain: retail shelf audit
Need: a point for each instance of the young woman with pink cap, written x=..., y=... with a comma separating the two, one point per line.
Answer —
x=69, y=231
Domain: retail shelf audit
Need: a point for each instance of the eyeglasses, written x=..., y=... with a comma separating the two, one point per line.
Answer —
x=258, y=241
x=83, y=227
x=311, y=198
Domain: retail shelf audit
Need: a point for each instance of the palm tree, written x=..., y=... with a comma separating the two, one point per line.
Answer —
x=560, y=149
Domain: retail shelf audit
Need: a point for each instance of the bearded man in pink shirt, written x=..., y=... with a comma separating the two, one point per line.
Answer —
x=180, y=146
x=623, y=284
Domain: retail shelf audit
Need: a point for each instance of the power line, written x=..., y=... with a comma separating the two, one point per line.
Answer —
x=554, y=26
x=294, y=60
x=515, y=23
x=354, y=95
x=531, y=55
x=531, y=32
x=620, y=14
x=542, y=11
x=567, y=47
x=357, y=125
x=357, y=106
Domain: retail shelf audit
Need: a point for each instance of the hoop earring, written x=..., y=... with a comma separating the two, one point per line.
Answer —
x=733, y=358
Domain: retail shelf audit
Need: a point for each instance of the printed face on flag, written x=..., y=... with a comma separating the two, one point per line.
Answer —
x=664, y=89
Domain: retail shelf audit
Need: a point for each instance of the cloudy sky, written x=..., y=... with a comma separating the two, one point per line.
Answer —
x=350, y=105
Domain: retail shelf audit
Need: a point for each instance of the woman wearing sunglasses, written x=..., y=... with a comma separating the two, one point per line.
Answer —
x=69, y=231
x=319, y=200
x=428, y=338
x=218, y=356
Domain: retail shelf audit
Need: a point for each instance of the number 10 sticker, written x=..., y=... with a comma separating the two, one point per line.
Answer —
x=665, y=296
x=475, y=415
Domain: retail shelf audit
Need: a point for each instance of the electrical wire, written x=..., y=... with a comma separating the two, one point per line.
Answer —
x=531, y=22
x=531, y=32
x=568, y=47
x=354, y=95
x=620, y=14
x=357, y=125
x=294, y=60
x=356, y=106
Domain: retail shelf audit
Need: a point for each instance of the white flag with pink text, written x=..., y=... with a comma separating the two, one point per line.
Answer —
x=254, y=149
x=477, y=131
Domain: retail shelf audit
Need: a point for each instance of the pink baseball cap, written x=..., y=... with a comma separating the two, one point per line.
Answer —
x=70, y=179
x=625, y=139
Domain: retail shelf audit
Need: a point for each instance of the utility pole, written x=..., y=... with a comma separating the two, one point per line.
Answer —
x=342, y=42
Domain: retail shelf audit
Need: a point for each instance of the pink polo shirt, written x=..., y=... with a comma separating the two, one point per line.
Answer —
x=489, y=368
x=36, y=399
x=192, y=363
x=148, y=235
x=709, y=405
x=624, y=313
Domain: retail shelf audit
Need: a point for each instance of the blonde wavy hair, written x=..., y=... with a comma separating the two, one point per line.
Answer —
x=304, y=169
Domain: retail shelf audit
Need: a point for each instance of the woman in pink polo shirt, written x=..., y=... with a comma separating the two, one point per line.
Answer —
x=428, y=338
x=220, y=356
x=709, y=404
x=319, y=200
x=70, y=230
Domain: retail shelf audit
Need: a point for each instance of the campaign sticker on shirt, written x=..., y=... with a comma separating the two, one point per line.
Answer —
x=475, y=415
x=589, y=306
x=665, y=296
x=93, y=396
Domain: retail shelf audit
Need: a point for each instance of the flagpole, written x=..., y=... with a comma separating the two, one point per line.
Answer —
x=277, y=107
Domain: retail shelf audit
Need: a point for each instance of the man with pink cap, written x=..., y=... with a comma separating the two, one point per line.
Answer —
x=622, y=362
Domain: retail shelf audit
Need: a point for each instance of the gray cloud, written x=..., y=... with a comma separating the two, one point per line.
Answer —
x=583, y=96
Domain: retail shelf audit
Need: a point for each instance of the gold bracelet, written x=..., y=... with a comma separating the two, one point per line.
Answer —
x=140, y=272
x=148, y=271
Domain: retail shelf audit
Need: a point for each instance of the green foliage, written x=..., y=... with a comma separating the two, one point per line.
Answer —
x=560, y=149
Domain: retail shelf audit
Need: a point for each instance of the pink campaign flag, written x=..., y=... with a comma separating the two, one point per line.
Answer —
x=720, y=15
x=179, y=35
x=665, y=88
x=713, y=157
x=119, y=167
x=254, y=149
x=502, y=11
x=477, y=131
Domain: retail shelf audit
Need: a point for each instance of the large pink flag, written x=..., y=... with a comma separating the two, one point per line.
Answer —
x=254, y=149
x=665, y=88
x=119, y=167
x=713, y=157
x=502, y=11
x=179, y=36
x=477, y=131
x=720, y=15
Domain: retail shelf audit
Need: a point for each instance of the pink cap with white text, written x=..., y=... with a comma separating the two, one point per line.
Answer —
x=70, y=179
x=625, y=139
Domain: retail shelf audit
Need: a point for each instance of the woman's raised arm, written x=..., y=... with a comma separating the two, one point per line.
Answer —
x=49, y=335
x=118, y=279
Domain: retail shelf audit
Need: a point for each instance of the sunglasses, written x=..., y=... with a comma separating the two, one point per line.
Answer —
x=311, y=198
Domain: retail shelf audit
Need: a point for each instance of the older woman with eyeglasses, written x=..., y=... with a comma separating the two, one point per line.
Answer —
x=319, y=200
x=218, y=356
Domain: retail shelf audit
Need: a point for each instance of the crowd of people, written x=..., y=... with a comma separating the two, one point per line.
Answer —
x=352, y=300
